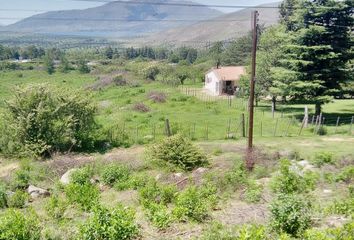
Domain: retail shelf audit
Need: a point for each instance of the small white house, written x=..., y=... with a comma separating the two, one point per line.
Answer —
x=223, y=80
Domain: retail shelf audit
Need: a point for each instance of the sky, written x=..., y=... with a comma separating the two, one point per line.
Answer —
x=25, y=8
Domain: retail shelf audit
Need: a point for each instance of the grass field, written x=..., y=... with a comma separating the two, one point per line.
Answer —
x=194, y=117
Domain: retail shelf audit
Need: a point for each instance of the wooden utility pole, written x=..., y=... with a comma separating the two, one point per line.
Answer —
x=250, y=157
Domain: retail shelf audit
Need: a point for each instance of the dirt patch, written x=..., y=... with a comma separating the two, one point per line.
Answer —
x=237, y=212
x=338, y=139
x=132, y=157
x=6, y=170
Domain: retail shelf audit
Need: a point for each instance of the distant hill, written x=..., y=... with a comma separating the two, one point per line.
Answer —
x=115, y=19
x=227, y=26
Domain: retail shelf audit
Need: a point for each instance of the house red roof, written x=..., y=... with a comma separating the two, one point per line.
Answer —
x=229, y=73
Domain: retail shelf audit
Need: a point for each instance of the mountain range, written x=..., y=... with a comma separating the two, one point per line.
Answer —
x=147, y=21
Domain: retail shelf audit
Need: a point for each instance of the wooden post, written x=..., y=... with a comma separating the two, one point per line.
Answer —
x=302, y=126
x=276, y=126
x=313, y=120
x=288, y=127
x=351, y=126
x=168, y=128
x=243, y=125
x=315, y=127
x=306, y=116
x=337, y=124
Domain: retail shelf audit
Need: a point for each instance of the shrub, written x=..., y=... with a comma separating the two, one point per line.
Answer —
x=322, y=131
x=3, y=197
x=289, y=181
x=110, y=225
x=322, y=158
x=345, y=232
x=21, y=179
x=253, y=193
x=151, y=72
x=82, y=176
x=15, y=225
x=114, y=173
x=191, y=205
x=141, y=107
x=153, y=192
x=157, y=97
x=237, y=177
x=159, y=215
x=86, y=196
x=290, y=214
x=346, y=175
x=343, y=207
x=55, y=207
x=41, y=119
x=120, y=81
x=177, y=151
x=17, y=200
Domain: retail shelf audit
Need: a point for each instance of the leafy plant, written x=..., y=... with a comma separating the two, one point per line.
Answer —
x=346, y=174
x=17, y=225
x=153, y=192
x=114, y=173
x=42, y=119
x=3, y=197
x=82, y=176
x=21, y=179
x=177, y=151
x=253, y=193
x=86, y=196
x=56, y=207
x=110, y=225
x=322, y=158
x=17, y=200
x=290, y=214
x=159, y=215
x=191, y=205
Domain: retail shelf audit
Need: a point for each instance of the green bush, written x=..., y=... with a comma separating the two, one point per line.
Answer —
x=21, y=179
x=56, y=207
x=253, y=193
x=237, y=177
x=322, y=131
x=290, y=181
x=322, y=158
x=82, y=176
x=191, y=205
x=341, y=233
x=17, y=200
x=290, y=214
x=177, y=151
x=346, y=175
x=114, y=173
x=153, y=192
x=16, y=225
x=86, y=196
x=110, y=225
x=40, y=120
x=3, y=196
x=159, y=215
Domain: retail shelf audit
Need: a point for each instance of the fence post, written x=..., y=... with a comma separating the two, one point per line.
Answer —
x=168, y=128
x=306, y=116
x=276, y=126
x=243, y=125
x=313, y=120
x=337, y=124
x=302, y=125
x=351, y=126
x=288, y=127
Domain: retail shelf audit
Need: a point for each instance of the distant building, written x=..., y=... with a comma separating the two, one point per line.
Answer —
x=223, y=80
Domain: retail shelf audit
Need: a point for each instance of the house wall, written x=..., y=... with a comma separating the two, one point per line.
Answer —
x=212, y=84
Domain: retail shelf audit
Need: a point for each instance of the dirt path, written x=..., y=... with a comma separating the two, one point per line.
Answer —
x=7, y=169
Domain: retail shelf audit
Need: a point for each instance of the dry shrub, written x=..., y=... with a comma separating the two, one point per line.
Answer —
x=157, y=97
x=141, y=107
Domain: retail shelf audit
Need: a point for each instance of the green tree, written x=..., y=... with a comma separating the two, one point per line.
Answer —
x=64, y=66
x=82, y=66
x=49, y=63
x=321, y=50
x=239, y=52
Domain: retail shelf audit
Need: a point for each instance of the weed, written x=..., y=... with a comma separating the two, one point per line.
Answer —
x=118, y=223
x=159, y=215
x=290, y=214
x=86, y=196
x=82, y=176
x=3, y=197
x=322, y=158
x=156, y=193
x=115, y=174
x=346, y=175
x=17, y=200
x=253, y=193
x=56, y=207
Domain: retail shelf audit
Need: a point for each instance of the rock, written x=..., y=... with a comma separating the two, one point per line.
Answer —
x=306, y=165
x=230, y=136
x=36, y=192
x=327, y=191
x=201, y=170
x=178, y=175
x=65, y=179
x=94, y=180
x=158, y=177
